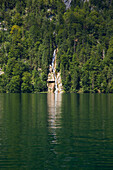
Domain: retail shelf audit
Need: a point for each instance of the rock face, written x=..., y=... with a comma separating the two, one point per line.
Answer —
x=51, y=82
x=54, y=82
x=59, y=83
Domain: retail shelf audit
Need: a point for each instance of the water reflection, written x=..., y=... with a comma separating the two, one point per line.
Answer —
x=54, y=113
x=56, y=131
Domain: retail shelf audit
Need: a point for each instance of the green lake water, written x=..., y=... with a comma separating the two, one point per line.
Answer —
x=56, y=131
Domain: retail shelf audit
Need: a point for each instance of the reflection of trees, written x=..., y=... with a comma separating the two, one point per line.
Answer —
x=23, y=134
x=54, y=112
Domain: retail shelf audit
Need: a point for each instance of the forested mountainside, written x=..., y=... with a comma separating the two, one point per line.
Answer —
x=30, y=30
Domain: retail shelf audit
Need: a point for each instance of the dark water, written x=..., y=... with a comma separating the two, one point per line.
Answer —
x=64, y=131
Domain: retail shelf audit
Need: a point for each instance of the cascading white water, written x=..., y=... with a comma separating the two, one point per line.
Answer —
x=56, y=87
x=54, y=82
x=67, y=3
x=54, y=70
x=53, y=60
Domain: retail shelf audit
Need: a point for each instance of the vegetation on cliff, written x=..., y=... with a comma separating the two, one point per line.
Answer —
x=30, y=30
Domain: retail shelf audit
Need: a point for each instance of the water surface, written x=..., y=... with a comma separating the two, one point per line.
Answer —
x=56, y=131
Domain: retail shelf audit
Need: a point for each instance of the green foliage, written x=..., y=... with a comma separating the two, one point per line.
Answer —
x=26, y=86
x=14, y=85
x=30, y=30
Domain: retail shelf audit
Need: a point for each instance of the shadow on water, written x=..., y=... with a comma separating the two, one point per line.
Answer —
x=56, y=131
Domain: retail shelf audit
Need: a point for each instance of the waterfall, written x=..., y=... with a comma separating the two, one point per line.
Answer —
x=54, y=70
x=53, y=61
x=54, y=82
x=67, y=3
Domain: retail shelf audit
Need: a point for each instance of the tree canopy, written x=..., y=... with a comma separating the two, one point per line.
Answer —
x=30, y=30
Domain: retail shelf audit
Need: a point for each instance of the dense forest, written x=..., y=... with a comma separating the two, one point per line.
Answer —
x=30, y=30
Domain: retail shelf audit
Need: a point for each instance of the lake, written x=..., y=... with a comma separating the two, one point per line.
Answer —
x=56, y=131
